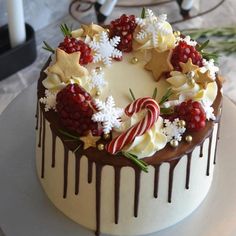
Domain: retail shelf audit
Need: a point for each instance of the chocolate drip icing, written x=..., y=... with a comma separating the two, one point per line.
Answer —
x=77, y=172
x=189, y=158
x=136, y=191
x=171, y=175
x=37, y=116
x=40, y=127
x=217, y=140
x=117, y=193
x=53, y=149
x=209, y=155
x=156, y=180
x=43, y=147
x=201, y=150
x=98, y=197
x=90, y=171
x=66, y=159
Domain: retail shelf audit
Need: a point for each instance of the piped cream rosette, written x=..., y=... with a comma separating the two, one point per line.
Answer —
x=147, y=144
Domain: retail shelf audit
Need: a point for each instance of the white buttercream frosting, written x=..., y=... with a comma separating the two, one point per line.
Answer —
x=150, y=142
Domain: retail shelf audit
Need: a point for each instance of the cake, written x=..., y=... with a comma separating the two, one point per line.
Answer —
x=128, y=121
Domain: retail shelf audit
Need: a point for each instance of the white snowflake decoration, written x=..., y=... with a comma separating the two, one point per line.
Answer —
x=151, y=26
x=172, y=130
x=210, y=66
x=105, y=49
x=206, y=105
x=49, y=100
x=96, y=80
x=187, y=40
x=108, y=114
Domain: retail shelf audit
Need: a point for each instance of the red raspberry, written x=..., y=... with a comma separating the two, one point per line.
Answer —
x=193, y=114
x=182, y=52
x=75, y=108
x=124, y=28
x=70, y=45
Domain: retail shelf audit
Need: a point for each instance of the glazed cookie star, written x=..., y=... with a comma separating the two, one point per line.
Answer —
x=159, y=63
x=89, y=140
x=67, y=66
x=188, y=66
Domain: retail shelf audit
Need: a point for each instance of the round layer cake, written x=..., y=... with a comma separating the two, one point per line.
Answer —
x=127, y=125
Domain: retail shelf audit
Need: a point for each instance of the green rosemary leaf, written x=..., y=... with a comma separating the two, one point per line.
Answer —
x=140, y=163
x=69, y=135
x=132, y=94
x=48, y=47
x=154, y=95
x=200, y=47
x=166, y=96
x=143, y=13
x=166, y=111
x=65, y=30
x=76, y=149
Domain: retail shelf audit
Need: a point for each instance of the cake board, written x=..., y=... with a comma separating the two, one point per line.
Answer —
x=26, y=211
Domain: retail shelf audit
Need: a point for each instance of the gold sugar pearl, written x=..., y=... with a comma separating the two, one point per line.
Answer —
x=191, y=82
x=190, y=74
x=106, y=136
x=182, y=123
x=99, y=68
x=176, y=33
x=101, y=146
x=174, y=143
x=98, y=93
x=134, y=60
x=188, y=138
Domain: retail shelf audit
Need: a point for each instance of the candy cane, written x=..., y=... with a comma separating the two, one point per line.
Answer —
x=138, y=129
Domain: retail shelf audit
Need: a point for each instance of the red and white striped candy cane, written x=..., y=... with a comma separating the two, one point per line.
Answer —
x=153, y=111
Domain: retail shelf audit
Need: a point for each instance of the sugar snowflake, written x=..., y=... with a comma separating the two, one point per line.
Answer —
x=187, y=40
x=96, y=80
x=151, y=26
x=210, y=66
x=108, y=114
x=49, y=100
x=209, y=110
x=105, y=49
x=172, y=130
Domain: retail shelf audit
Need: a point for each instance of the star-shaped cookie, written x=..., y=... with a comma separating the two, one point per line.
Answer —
x=89, y=140
x=91, y=30
x=159, y=63
x=67, y=66
x=203, y=78
x=188, y=66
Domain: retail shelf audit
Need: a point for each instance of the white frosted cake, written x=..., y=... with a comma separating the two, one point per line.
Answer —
x=127, y=125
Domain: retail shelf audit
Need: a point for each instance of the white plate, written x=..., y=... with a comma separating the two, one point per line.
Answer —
x=26, y=211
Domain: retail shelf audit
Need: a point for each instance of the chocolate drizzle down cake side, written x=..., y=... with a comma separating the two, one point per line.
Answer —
x=127, y=125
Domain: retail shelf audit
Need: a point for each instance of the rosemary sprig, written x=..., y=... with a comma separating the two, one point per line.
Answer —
x=143, y=13
x=154, y=95
x=132, y=94
x=69, y=135
x=210, y=32
x=223, y=40
x=76, y=149
x=65, y=30
x=166, y=96
x=47, y=47
x=140, y=163
x=166, y=111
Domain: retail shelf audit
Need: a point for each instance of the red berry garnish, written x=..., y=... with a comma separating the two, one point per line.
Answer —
x=193, y=114
x=70, y=45
x=75, y=109
x=182, y=52
x=124, y=28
